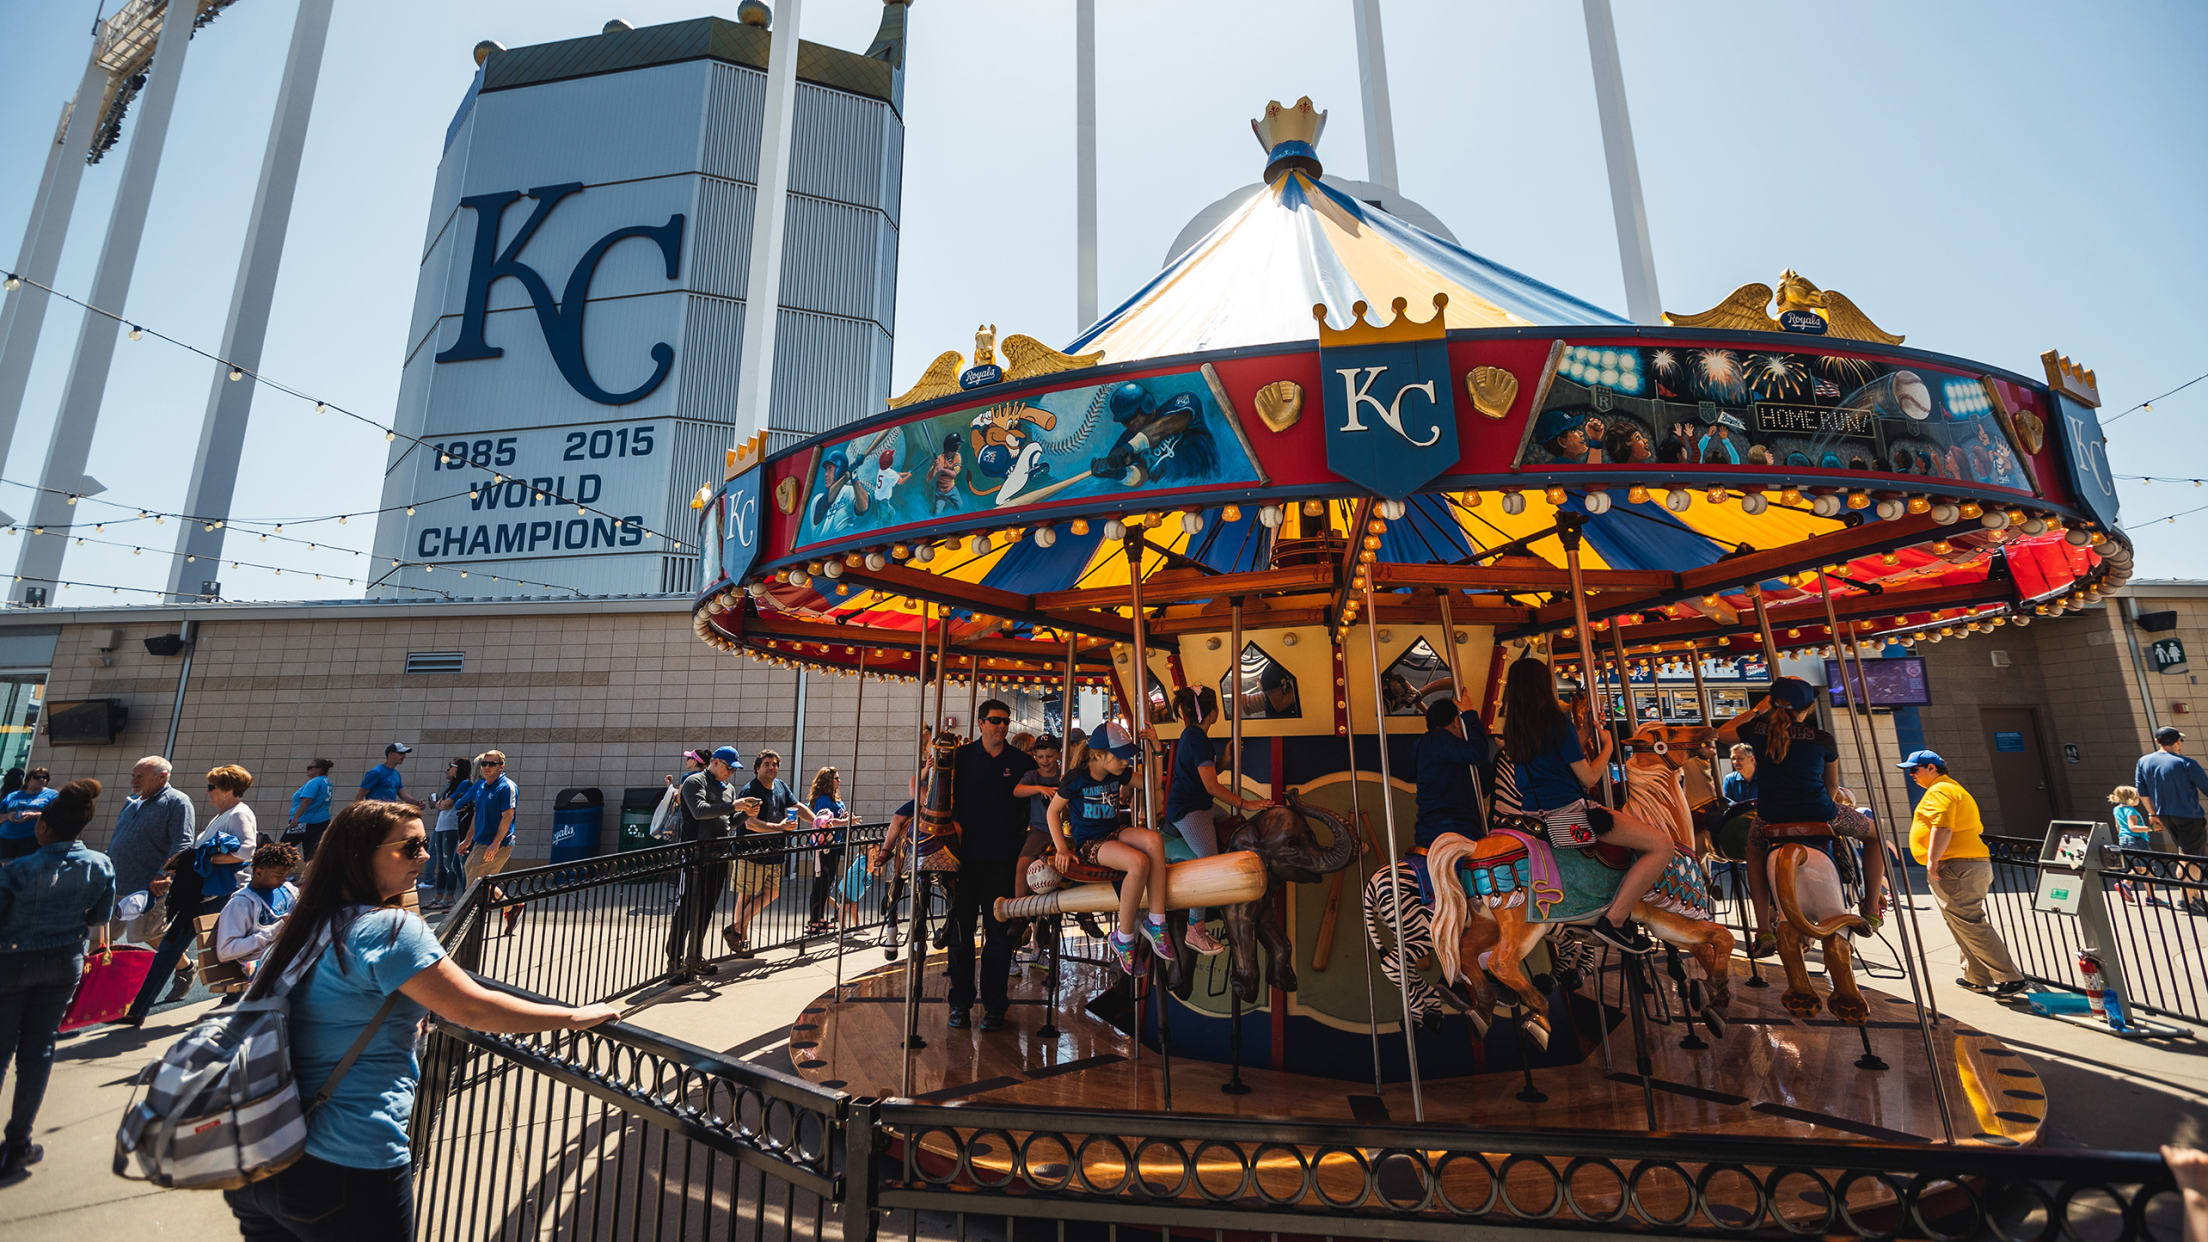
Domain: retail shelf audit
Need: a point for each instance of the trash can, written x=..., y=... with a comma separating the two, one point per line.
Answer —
x=578, y=815
x=637, y=806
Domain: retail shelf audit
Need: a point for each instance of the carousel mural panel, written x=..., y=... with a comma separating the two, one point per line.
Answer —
x=1326, y=539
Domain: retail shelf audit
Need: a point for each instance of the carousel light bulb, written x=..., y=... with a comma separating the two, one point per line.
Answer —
x=1859, y=500
x=1717, y=495
x=1917, y=504
x=1790, y=496
x=1971, y=510
x=1372, y=543
x=1556, y=495
x=1232, y=513
x=1080, y=526
x=2096, y=539
x=1376, y=527
x=1472, y=499
x=1891, y=558
x=1636, y=495
x=1314, y=508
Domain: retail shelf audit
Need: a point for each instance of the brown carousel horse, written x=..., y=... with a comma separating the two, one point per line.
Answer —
x=1807, y=900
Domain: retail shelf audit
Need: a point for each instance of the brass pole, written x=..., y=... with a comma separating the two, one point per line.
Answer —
x=1146, y=774
x=1763, y=627
x=1395, y=851
x=1356, y=824
x=1568, y=535
x=858, y=717
x=1863, y=756
x=916, y=892
x=1456, y=680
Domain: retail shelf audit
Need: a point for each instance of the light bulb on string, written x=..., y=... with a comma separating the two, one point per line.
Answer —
x=236, y=374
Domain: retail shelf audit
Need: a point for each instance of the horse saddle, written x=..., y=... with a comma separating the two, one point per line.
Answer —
x=1568, y=886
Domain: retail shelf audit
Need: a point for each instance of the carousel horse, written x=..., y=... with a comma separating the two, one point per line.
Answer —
x=1510, y=889
x=1808, y=900
x=1274, y=847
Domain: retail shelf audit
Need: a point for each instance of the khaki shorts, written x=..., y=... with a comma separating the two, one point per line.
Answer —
x=752, y=879
x=486, y=860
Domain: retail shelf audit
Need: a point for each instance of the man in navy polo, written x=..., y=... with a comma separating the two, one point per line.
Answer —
x=382, y=782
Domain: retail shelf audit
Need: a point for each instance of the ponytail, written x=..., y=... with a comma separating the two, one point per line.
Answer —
x=1778, y=732
x=1077, y=753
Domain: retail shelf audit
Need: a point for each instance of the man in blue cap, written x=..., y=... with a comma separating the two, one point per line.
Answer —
x=705, y=801
x=1947, y=835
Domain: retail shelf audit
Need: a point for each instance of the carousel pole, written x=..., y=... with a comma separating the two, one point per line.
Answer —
x=1395, y=853
x=1763, y=628
x=973, y=695
x=1708, y=713
x=1864, y=755
x=1357, y=824
x=1910, y=931
x=858, y=715
x=915, y=978
x=1234, y=1084
x=1567, y=533
x=1139, y=712
x=1049, y=1028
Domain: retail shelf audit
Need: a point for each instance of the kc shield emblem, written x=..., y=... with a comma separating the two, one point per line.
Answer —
x=1391, y=413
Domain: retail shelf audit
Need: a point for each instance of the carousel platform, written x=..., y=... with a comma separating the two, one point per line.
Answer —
x=1770, y=1074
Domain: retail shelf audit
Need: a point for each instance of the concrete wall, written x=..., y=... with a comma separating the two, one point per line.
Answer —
x=606, y=699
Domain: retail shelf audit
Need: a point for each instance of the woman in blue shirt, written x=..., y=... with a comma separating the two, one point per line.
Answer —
x=1554, y=773
x=356, y=1179
x=827, y=802
x=50, y=901
x=310, y=809
x=1196, y=785
x=19, y=814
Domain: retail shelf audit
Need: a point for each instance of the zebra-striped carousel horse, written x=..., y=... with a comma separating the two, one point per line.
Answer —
x=1494, y=899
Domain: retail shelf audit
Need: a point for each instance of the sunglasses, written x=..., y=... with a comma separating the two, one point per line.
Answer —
x=494, y=765
x=996, y=720
x=413, y=847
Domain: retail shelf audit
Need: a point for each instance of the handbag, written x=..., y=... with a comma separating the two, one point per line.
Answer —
x=222, y=1108
x=110, y=982
x=667, y=814
x=1567, y=826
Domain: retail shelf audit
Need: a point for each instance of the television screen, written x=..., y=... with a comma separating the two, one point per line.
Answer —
x=82, y=721
x=1892, y=683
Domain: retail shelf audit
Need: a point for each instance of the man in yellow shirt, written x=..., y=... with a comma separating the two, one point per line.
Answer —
x=1947, y=836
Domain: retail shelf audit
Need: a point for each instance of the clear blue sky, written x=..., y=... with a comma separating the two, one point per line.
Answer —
x=1992, y=179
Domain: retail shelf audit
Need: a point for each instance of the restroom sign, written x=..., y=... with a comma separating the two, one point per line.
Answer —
x=2169, y=655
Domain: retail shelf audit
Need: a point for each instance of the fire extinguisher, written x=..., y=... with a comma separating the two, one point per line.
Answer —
x=2095, y=995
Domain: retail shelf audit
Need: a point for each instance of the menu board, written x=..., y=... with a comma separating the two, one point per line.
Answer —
x=1896, y=682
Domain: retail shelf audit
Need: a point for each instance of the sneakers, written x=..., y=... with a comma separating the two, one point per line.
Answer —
x=1980, y=988
x=1200, y=939
x=1124, y=948
x=2007, y=991
x=992, y=1020
x=1027, y=956
x=1161, y=940
x=1088, y=924
x=960, y=1019
x=1627, y=939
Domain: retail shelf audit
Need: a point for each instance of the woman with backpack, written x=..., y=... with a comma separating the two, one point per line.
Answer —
x=350, y=962
x=50, y=900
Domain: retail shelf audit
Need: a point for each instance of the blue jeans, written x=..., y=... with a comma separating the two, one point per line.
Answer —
x=323, y=1202
x=447, y=871
x=174, y=945
x=34, y=993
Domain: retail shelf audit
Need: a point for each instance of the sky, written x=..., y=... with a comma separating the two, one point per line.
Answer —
x=1990, y=179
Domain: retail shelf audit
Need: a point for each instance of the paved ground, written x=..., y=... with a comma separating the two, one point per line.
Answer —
x=2104, y=1092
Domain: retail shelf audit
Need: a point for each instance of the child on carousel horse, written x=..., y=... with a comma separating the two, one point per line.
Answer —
x=1085, y=826
x=1553, y=772
x=1797, y=767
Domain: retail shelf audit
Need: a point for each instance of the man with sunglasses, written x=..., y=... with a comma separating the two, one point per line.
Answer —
x=496, y=800
x=992, y=825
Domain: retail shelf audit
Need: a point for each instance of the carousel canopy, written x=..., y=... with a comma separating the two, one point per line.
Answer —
x=1248, y=429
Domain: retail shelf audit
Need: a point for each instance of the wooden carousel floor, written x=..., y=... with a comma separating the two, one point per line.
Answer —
x=1771, y=1074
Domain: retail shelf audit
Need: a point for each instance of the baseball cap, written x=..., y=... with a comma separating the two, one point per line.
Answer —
x=728, y=755
x=2166, y=735
x=398, y=748
x=1793, y=693
x=1112, y=737
x=1921, y=758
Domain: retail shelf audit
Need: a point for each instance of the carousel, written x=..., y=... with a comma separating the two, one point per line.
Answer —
x=1335, y=467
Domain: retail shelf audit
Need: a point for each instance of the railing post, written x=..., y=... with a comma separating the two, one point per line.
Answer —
x=862, y=1166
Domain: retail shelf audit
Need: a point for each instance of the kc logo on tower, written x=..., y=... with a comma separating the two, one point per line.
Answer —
x=561, y=320
x=1391, y=418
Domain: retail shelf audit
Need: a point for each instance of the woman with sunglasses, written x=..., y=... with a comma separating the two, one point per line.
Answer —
x=455, y=815
x=356, y=1179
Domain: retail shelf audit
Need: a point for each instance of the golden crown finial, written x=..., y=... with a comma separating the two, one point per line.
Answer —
x=1362, y=331
x=2071, y=380
x=1290, y=136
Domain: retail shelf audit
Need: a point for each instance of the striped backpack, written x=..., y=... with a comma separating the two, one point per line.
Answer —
x=222, y=1108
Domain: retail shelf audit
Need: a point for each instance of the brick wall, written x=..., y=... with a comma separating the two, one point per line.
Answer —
x=606, y=699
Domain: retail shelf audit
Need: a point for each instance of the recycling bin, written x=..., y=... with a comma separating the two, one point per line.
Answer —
x=637, y=805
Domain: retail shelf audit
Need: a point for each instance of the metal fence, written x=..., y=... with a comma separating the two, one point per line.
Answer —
x=617, y=1132
x=2156, y=907
x=598, y=928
